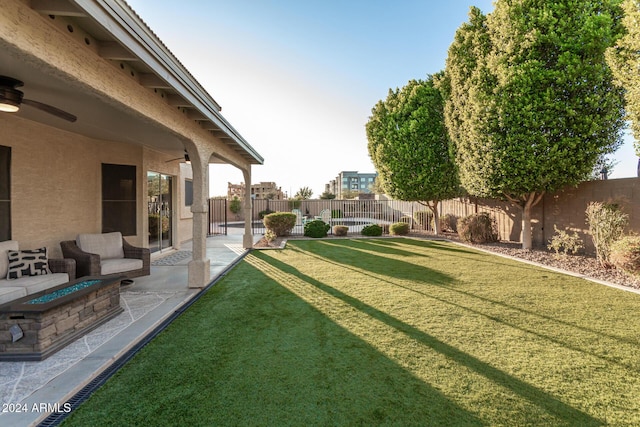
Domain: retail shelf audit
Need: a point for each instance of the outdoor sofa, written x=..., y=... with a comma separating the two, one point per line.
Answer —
x=26, y=272
x=106, y=254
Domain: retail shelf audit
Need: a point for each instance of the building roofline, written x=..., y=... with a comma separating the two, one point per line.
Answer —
x=118, y=19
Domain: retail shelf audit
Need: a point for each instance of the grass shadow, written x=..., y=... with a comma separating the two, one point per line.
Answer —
x=536, y=396
x=352, y=252
x=252, y=352
x=370, y=264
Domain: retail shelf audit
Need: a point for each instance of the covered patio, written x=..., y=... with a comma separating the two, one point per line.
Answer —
x=124, y=109
x=148, y=304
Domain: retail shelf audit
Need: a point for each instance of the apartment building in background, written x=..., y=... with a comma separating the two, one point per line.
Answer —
x=351, y=181
x=261, y=190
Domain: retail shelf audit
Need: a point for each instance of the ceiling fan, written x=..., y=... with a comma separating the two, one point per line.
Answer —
x=11, y=99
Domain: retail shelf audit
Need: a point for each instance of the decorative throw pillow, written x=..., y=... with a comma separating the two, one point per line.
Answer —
x=27, y=263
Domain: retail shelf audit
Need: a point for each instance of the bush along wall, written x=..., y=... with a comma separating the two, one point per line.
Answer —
x=280, y=223
x=316, y=229
x=478, y=228
x=372, y=230
x=399, y=229
x=340, y=230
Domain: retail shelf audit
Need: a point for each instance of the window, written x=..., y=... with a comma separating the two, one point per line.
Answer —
x=362, y=179
x=119, y=199
x=5, y=193
x=370, y=179
x=188, y=192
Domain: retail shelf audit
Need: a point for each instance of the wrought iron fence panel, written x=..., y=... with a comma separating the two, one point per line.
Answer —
x=218, y=216
x=353, y=213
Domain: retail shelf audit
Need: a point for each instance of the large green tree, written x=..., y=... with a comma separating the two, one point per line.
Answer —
x=531, y=103
x=624, y=60
x=409, y=146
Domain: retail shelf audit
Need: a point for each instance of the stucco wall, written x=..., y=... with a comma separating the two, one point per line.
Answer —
x=56, y=182
x=564, y=209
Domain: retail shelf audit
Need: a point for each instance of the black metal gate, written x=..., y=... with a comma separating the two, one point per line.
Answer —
x=217, y=216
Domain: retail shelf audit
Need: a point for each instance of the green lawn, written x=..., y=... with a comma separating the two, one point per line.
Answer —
x=386, y=332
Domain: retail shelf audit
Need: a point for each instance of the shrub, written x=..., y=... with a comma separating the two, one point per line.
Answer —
x=340, y=230
x=316, y=228
x=564, y=242
x=399, y=228
x=270, y=236
x=281, y=223
x=449, y=223
x=264, y=213
x=372, y=230
x=235, y=206
x=625, y=254
x=478, y=228
x=606, y=225
x=424, y=219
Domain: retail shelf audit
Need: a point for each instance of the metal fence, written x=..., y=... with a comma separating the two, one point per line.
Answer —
x=217, y=216
x=355, y=214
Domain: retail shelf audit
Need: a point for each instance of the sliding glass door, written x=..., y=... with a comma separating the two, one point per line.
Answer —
x=159, y=191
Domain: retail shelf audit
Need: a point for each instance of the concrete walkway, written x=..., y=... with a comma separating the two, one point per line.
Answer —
x=30, y=391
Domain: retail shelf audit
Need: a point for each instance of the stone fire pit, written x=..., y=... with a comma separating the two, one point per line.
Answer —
x=36, y=326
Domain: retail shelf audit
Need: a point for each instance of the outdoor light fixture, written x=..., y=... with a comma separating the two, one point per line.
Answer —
x=10, y=100
x=185, y=158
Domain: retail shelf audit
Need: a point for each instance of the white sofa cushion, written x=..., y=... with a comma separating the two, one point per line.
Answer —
x=9, y=245
x=113, y=265
x=33, y=284
x=10, y=293
x=107, y=245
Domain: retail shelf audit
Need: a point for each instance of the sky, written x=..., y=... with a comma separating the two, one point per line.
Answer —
x=298, y=78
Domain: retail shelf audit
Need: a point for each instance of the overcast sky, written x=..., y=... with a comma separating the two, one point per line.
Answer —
x=298, y=78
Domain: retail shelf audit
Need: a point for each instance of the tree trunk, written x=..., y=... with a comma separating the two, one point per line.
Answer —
x=433, y=205
x=529, y=202
x=526, y=227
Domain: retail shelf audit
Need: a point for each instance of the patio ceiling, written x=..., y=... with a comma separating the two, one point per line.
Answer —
x=113, y=31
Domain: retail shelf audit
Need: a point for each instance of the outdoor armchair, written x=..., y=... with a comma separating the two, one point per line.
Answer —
x=105, y=254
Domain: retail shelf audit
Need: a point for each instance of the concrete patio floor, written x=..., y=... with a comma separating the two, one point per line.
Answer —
x=30, y=391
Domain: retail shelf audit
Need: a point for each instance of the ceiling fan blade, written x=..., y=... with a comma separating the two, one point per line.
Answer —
x=51, y=110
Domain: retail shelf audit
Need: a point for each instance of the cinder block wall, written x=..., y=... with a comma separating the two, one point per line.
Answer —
x=564, y=209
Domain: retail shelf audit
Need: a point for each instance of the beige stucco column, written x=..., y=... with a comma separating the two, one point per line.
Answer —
x=199, y=267
x=247, y=239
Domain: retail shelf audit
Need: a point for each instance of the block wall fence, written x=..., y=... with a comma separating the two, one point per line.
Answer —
x=565, y=209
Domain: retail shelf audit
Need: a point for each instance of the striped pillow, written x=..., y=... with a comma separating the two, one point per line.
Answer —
x=27, y=263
